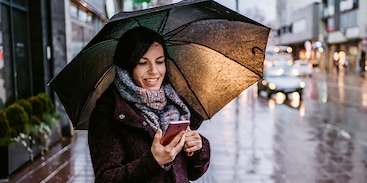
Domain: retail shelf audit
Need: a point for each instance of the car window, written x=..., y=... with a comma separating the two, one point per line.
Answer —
x=278, y=72
x=301, y=63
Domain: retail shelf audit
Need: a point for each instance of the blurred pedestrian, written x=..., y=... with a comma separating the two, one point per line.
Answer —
x=336, y=62
x=361, y=67
x=130, y=117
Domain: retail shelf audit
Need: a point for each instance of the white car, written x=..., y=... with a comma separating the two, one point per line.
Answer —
x=280, y=79
x=302, y=68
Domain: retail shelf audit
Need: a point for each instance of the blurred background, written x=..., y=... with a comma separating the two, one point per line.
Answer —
x=305, y=121
x=37, y=39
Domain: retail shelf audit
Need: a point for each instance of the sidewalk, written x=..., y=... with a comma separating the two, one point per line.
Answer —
x=248, y=146
x=67, y=161
x=351, y=78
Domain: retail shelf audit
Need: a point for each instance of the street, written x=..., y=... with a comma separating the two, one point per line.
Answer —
x=58, y=57
x=259, y=140
x=321, y=140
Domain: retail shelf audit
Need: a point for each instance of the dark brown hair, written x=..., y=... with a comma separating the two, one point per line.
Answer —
x=133, y=44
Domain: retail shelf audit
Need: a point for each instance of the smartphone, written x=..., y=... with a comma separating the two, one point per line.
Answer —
x=173, y=129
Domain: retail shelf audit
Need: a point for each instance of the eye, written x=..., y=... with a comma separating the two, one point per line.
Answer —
x=160, y=61
x=142, y=62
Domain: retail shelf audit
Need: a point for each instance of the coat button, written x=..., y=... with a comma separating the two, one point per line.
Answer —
x=122, y=116
x=145, y=123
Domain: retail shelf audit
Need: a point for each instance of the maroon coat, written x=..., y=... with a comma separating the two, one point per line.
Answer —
x=120, y=142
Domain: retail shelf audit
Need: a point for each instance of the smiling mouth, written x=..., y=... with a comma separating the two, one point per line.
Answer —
x=152, y=80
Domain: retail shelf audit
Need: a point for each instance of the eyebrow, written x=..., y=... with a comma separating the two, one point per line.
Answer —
x=156, y=58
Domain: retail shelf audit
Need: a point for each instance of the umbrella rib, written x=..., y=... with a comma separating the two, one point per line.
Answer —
x=192, y=91
x=137, y=21
x=174, y=32
x=163, y=23
x=161, y=26
x=253, y=51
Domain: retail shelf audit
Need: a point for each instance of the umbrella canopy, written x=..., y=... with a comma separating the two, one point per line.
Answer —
x=215, y=54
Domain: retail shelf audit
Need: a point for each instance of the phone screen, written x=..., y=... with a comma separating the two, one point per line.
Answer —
x=173, y=129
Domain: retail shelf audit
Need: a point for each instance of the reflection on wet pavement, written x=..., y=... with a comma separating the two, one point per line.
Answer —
x=313, y=142
x=255, y=140
x=67, y=161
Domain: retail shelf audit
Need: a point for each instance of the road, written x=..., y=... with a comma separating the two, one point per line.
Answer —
x=256, y=140
x=322, y=139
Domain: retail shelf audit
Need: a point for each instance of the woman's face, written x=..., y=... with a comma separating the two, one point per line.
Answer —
x=151, y=68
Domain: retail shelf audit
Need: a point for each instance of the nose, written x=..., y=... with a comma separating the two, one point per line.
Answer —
x=153, y=69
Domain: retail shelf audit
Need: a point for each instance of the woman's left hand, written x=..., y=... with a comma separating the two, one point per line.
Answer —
x=192, y=141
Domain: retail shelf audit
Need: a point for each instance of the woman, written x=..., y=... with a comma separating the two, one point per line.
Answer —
x=130, y=117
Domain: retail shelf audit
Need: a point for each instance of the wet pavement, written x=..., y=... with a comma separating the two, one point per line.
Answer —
x=67, y=161
x=256, y=140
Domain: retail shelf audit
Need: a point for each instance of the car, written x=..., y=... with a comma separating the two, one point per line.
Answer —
x=302, y=68
x=280, y=79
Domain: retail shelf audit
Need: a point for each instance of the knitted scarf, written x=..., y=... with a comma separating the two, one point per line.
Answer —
x=159, y=107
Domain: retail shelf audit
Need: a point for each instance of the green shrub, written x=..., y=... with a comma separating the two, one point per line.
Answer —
x=26, y=117
x=34, y=125
x=48, y=114
x=48, y=106
x=35, y=120
x=4, y=130
x=4, y=125
x=18, y=119
x=26, y=106
x=37, y=106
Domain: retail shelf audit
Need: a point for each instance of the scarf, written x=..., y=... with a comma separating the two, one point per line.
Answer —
x=158, y=107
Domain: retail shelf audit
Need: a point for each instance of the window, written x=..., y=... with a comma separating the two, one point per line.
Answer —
x=330, y=24
x=15, y=65
x=21, y=63
x=84, y=26
x=348, y=19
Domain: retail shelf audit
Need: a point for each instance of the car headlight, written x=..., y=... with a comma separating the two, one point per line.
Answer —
x=263, y=82
x=272, y=86
x=302, y=84
x=295, y=72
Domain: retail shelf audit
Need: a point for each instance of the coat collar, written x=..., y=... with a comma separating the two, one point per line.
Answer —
x=127, y=114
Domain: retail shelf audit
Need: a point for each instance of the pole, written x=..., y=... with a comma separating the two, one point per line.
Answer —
x=237, y=6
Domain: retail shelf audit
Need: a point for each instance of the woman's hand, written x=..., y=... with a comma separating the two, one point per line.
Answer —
x=192, y=141
x=166, y=154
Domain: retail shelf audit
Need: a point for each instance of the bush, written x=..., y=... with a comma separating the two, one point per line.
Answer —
x=35, y=121
x=37, y=106
x=48, y=113
x=34, y=125
x=4, y=129
x=48, y=106
x=26, y=106
x=26, y=117
x=18, y=119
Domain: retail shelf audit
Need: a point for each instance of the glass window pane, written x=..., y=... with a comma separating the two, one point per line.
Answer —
x=21, y=56
x=20, y=2
x=6, y=71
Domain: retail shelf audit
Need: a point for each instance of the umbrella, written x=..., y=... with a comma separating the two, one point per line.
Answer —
x=216, y=53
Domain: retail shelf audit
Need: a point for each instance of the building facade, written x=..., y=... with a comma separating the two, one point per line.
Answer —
x=39, y=37
x=345, y=29
x=36, y=37
x=301, y=31
x=329, y=33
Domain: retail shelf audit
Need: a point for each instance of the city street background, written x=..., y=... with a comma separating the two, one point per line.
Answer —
x=259, y=140
x=321, y=139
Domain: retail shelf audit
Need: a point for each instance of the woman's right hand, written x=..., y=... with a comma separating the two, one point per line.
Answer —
x=166, y=154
